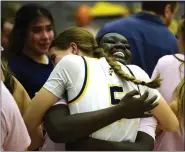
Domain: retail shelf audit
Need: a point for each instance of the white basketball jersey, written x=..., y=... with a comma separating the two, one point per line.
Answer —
x=91, y=85
x=103, y=89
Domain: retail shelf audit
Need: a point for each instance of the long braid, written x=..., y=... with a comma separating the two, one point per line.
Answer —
x=87, y=44
x=99, y=52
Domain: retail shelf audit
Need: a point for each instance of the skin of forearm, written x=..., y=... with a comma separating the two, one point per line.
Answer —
x=68, y=128
x=144, y=142
x=101, y=145
x=37, y=139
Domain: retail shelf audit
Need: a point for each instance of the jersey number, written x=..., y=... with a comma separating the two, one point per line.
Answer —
x=113, y=90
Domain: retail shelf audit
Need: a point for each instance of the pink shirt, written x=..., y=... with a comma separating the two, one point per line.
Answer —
x=14, y=134
x=147, y=125
x=168, y=67
x=171, y=73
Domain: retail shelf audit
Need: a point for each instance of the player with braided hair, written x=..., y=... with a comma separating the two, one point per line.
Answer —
x=94, y=81
x=99, y=52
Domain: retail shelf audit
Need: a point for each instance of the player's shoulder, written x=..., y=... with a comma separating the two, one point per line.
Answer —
x=71, y=63
x=71, y=59
x=136, y=69
x=167, y=59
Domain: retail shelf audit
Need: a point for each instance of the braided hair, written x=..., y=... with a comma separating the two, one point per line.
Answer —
x=88, y=45
x=99, y=52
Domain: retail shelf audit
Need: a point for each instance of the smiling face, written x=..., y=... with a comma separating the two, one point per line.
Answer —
x=113, y=43
x=40, y=35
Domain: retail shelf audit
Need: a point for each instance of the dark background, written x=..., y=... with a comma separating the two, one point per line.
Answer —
x=63, y=11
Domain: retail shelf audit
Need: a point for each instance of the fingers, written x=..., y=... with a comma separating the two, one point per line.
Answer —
x=151, y=100
x=150, y=107
x=144, y=96
x=147, y=115
x=132, y=93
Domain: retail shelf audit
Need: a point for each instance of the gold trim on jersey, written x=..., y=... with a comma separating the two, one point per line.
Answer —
x=85, y=84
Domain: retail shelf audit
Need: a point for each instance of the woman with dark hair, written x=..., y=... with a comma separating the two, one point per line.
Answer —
x=30, y=39
x=171, y=69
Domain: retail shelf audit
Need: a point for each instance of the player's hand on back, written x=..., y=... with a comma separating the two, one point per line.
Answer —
x=138, y=107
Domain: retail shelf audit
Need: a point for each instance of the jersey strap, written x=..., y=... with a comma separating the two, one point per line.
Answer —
x=133, y=76
x=85, y=84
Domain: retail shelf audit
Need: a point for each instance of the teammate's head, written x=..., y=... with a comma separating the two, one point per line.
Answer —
x=114, y=42
x=33, y=30
x=74, y=40
x=81, y=42
x=180, y=98
x=166, y=9
x=181, y=36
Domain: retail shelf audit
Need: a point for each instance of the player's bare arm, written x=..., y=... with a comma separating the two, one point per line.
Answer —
x=68, y=128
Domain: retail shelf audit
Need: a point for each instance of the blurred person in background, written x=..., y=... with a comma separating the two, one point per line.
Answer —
x=171, y=69
x=30, y=39
x=8, y=11
x=6, y=28
x=14, y=134
x=84, y=19
x=147, y=33
x=22, y=99
x=173, y=26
